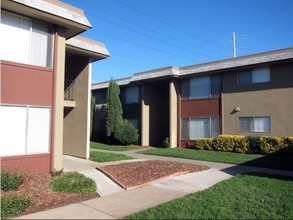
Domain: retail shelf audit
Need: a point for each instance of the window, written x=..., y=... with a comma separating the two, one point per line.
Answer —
x=255, y=124
x=194, y=128
x=130, y=95
x=26, y=41
x=201, y=87
x=258, y=75
x=133, y=121
x=24, y=130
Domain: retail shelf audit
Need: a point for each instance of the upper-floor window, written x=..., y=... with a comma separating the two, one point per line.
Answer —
x=201, y=87
x=258, y=75
x=255, y=124
x=26, y=41
x=130, y=95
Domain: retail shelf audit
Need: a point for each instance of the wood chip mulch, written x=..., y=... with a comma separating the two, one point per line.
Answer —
x=136, y=174
x=38, y=188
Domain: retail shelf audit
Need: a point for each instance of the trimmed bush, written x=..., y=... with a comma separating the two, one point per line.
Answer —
x=204, y=143
x=247, y=144
x=11, y=181
x=126, y=133
x=269, y=145
x=254, y=144
x=231, y=143
x=74, y=183
x=14, y=205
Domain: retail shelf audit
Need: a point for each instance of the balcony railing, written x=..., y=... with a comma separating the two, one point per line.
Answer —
x=68, y=87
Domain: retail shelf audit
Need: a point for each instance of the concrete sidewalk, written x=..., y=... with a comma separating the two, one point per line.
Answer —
x=116, y=203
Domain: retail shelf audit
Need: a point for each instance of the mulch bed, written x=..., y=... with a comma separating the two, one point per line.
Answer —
x=136, y=174
x=38, y=188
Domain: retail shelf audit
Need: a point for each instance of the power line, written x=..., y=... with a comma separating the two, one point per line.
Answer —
x=193, y=18
x=157, y=18
x=142, y=45
x=152, y=37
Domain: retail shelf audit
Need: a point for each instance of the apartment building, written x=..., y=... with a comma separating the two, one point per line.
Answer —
x=45, y=84
x=249, y=95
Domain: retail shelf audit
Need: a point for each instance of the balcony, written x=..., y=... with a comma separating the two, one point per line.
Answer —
x=68, y=93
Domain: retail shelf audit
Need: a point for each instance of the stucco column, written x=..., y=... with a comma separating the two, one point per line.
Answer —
x=58, y=104
x=173, y=114
x=145, y=116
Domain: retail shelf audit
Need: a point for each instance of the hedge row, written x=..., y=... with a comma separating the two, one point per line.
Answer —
x=247, y=144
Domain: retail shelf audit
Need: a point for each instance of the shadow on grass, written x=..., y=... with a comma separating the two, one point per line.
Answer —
x=270, y=175
x=274, y=161
x=281, y=163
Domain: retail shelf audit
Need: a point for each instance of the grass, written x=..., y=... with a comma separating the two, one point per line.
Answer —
x=11, y=181
x=74, y=183
x=285, y=163
x=106, y=157
x=111, y=147
x=248, y=196
x=14, y=205
x=215, y=156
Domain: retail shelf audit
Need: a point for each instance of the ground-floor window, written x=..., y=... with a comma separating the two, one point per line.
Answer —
x=254, y=124
x=24, y=130
x=193, y=128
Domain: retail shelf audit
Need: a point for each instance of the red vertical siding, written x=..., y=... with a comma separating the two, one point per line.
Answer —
x=200, y=107
x=27, y=85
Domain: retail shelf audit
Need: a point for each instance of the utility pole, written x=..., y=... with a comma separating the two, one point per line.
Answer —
x=234, y=44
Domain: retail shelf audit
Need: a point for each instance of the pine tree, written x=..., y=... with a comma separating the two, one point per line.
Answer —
x=114, y=109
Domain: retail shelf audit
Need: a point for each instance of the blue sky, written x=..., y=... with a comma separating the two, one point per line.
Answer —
x=142, y=35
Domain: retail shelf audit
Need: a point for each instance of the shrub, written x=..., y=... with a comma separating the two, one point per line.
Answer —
x=288, y=141
x=14, y=205
x=74, y=183
x=57, y=172
x=11, y=181
x=166, y=142
x=126, y=133
x=247, y=144
x=254, y=144
x=231, y=143
x=269, y=145
x=204, y=143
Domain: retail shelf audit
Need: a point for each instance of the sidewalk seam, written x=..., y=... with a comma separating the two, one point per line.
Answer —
x=81, y=203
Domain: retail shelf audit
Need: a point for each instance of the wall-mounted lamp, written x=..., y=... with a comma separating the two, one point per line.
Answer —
x=237, y=109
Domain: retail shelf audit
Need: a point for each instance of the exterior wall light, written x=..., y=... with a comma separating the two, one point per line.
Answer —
x=237, y=109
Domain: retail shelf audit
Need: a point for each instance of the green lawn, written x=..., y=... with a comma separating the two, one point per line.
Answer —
x=111, y=147
x=285, y=163
x=249, y=196
x=106, y=157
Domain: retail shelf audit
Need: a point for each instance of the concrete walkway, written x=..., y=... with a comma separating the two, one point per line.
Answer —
x=116, y=203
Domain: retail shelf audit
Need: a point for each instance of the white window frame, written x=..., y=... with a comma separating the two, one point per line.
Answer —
x=210, y=125
x=27, y=128
x=254, y=130
x=44, y=59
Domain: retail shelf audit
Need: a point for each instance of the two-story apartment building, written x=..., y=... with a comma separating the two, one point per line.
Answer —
x=45, y=84
x=249, y=95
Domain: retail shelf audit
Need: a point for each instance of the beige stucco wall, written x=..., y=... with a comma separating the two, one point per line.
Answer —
x=76, y=136
x=272, y=99
x=58, y=103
